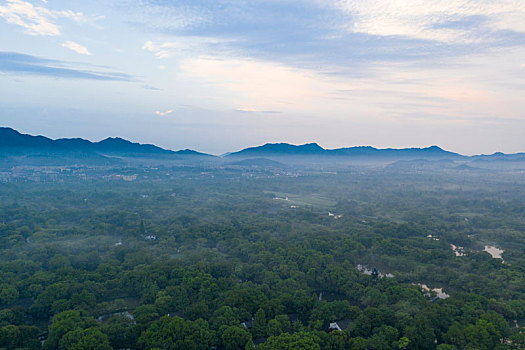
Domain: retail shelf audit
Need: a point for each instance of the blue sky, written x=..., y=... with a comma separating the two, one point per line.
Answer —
x=221, y=75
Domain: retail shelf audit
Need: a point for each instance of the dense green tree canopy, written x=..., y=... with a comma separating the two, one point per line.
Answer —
x=195, y=258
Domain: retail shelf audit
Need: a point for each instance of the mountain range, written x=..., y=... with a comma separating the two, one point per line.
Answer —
x=14, y=142
x=314, y=150
x=41, y=149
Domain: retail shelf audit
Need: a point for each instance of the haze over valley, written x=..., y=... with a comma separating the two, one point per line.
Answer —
x=262, y=175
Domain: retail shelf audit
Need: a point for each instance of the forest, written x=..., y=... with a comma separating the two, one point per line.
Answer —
x=227, y=258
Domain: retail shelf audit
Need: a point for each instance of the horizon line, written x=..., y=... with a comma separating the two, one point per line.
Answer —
x=264, y=144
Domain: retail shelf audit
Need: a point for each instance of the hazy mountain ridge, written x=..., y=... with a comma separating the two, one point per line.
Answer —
x=313, y=149
x=14, y=143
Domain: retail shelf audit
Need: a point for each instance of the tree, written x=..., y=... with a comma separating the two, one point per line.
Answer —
x=10, y=337
x=421, y=334
x=285, y=341
x=249, y=345
x=384, y=337
x=120, y=332
x=142, y=227
x=518, y=340
x=59, y=261
x=224, y=317
x=336, y=341
x=259, y=324
x=446, y=347
x=274, y=328
x=8, y=294
x=403, y=342
x=358, y=343
x=235, y=338
x=176, y=334
x=284, y=323
x=483, y=335
x=362, y=326
x=84, y=339
x=65, y=322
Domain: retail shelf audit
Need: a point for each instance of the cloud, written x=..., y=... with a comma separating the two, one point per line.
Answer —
x=17, y=63
x=160, y=51
x=248, y=110
x=259, y=85
x=162, y=114
x=36, y=20
x=439, y=20
x=73, y=46
x=165, y=15
x=334, y=33
x=353, y=59
x=149, y=87
x=338, y=35
x=186, y=45
x=254, y=110
x=477, y=87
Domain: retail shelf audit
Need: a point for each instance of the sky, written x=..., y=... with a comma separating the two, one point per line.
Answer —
x=221, y=75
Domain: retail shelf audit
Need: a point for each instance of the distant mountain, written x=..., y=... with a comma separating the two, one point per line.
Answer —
x=500, y=157
x=192, y=153
x=428, y=152
x=12, y=141
x=17, y=148
x=314, y=150
x=41, y=150
x=277, y=149
x=116, y=145
x=10, y=138
x=466, y=167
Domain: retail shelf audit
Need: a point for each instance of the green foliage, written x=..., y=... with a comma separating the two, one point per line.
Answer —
x=84, y=339
x=274, y=328
x=284, y=323
x=259, y=324
x=332, y=311
x=8, y=294
x=446, y=347
x=235, y=337
x=10, y=336
x=121, y=332
x=301, y=340
x=173, y=333
x=65, y=322
x=359, y=343
x=226, y=251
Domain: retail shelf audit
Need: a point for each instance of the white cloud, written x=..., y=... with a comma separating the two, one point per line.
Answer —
x=76, y=47
x=185, y=46
x=474, y=89
x=36, y=20
x=250, y=85
x=162, y=114
x=157, y=50
x=261, y=85
x=165, y=15
x=33, y=19
x=247, y=110
x=435, y=20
